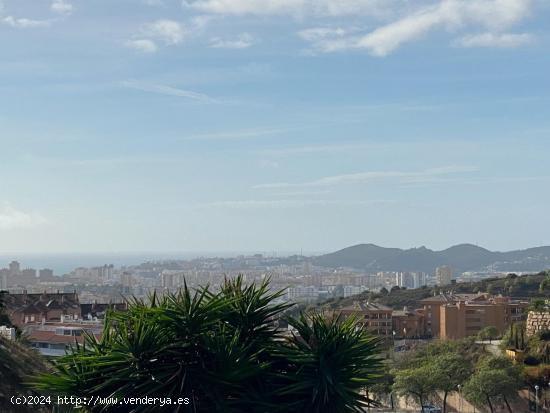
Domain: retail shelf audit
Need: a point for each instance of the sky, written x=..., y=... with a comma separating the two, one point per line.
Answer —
x=273, y=125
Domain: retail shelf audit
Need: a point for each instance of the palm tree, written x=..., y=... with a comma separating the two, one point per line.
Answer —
x=220, y=352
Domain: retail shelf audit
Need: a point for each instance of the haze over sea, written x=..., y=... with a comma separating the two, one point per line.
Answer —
x=63, y=263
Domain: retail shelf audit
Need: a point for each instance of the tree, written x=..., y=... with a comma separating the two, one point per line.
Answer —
x=416, y=382
x=450, y=371
x=383, y=386
x=495, y=379
x=488, y=333
x=223, y=352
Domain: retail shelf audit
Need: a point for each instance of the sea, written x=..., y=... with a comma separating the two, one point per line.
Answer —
x=64, y=263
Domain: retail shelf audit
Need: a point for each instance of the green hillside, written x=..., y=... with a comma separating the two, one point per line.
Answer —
x=526, y=287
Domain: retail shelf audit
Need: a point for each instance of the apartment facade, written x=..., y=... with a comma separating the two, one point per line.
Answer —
x=408, y=324
x=375, y=318
x=455, y=316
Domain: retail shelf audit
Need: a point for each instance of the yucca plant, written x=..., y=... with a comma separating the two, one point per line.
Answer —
x=328, y=364
x=223, y=352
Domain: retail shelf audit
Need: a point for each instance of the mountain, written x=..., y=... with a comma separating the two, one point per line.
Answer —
x=463, y=257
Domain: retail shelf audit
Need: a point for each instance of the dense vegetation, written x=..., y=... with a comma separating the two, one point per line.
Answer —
x=434, y=371
x=17, y=363
x=223, y=353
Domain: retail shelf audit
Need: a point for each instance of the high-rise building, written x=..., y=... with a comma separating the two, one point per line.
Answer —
x=172, y=279
x=15, y=267
x=419, y=279
x=3, y=280
x=45, y=274
x=443, y=275
x=404, y=279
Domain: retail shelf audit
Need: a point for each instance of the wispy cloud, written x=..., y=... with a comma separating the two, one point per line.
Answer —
x=165, y=32
x=24, y=23
x=168, y=91
x=450, y=15
x=169, y=32
x=501, y=40
x=367, y=177
x=236, y=135
x=295, y=8
x=12, y=218
x=62, y=7
x=142, y=45
x=242, y=41
x=290, y=203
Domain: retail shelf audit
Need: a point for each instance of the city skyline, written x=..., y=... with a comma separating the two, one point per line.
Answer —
x=226, y=126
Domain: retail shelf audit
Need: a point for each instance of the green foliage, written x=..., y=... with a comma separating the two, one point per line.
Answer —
x=488, y=333
x=223, y=351
x=514, y=337
x=335, y=358
x=4, y=319
x=418, y=383
x=496, y=380
x=538, y=304
x=438, y=366
x=17, y=362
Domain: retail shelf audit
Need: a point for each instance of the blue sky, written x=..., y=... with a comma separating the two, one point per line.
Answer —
x=273, y=125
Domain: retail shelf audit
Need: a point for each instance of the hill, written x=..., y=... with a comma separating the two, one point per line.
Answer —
x=525, y=287
x=463, y=257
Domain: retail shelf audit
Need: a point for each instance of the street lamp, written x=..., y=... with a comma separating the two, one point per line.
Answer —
x=537, y=398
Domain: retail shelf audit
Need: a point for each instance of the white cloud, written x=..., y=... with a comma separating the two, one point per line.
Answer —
x=502, y=40
x=450, y=15
x=367, y=177
x=23, y=23
x=242, y=41
x=320, y=33
x=62, y=7
x=169, y=32
x=325, y=39
x=11, y=218
x=142, y=45
x=295, y=8
x=241, y=7
x=167, y=90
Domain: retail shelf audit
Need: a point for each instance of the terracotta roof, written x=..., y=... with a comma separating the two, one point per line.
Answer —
x=51, y=337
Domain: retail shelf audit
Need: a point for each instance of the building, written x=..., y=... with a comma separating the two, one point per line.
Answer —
x=54, y=340
x=46, y=274
x=408, y=324
x=24, y=309
x=172, y=279
x=97, y=311
x=404, y=279
x=7, y=332
x=3, y=280
x=454, y=316
x=431, y=306
x=467, y=318
x=376, y=318
x=15, y=268
x=443, y=275
x=419, y=279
